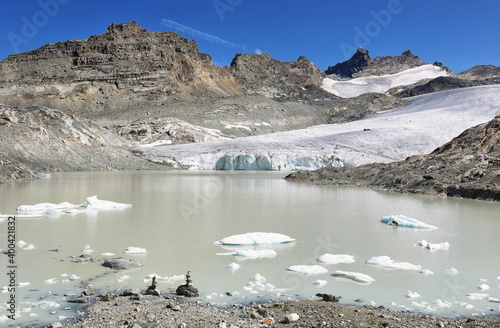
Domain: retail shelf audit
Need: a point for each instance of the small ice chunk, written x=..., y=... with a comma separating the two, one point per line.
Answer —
x=29, y=247
x=440, y=246
x=50, y=281
x=469, y=306
x=256, y=238
x=320, y=283
x=135, y=250
x=356, y=276
x=493, y=299
x=73, y=277
x=386, y=262
x=413, y=295
x=477, y=296
x=483, y=280
x=23, y=284
x=403, y=221
x=122, y=278
x=108, y=254
x=336, y=258
x=372, y=303
x=258, y=277
x=64, y=275
x=233, y=266
x=87, y=250
x=442, y=304
x=21, y=243
x=452, y=271
x=308, y=269
x=427, y=272
x=484, y=287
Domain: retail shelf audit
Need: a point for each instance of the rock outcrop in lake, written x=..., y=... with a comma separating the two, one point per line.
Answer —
x=468, y=167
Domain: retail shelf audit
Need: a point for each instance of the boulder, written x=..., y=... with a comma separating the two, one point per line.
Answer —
x=188, y=291
x=121, y=264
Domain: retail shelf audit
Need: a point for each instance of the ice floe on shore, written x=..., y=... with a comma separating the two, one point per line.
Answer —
x=356, y=276
x=403, y=221
x=386, y=262
x=308, y=269
x=92, y=203
x=336, y=258
x=255, y=238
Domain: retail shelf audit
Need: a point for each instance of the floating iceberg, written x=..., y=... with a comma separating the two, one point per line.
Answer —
x=403, y=221
x=97, y=204
x=320, y=283
x=434, y=247
x=356, y=276
x=308, y=269
x=92, y=203
x=484, y=287
x=108, y=254
x=452, y=271
x=413, y=295
x=256, y=238
x=135, y=250
x=73, y=277
x=252, y=253
x=477, y=296
x=87, y=250
x=387, y=262
x=47, y=208
x=336, y=258
x=233, y=266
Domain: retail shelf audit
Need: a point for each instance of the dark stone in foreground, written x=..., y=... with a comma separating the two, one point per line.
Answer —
x=329, y=297
x=121, y=264
x=188, y=291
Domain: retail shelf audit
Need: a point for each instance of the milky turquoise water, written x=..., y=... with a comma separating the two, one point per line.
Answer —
x=177, y=216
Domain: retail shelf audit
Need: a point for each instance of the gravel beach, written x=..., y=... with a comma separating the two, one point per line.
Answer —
x=147, y=311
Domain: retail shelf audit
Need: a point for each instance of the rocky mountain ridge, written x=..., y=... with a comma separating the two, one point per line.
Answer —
x=361, y=64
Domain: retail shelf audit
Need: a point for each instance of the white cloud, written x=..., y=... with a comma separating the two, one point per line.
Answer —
x=198, y=34
x=258, y=51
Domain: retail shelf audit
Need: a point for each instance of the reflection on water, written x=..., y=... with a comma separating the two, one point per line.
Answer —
x=177, y=216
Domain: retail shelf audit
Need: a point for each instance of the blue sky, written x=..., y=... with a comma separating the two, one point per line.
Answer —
x=459, y=33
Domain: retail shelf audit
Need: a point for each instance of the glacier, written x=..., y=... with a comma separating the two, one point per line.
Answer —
x=425, y=123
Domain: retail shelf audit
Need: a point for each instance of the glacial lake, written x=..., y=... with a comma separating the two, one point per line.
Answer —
x=177, y=217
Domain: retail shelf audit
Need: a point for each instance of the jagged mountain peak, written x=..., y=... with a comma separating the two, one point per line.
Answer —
x=130, y=27
x=361, y=64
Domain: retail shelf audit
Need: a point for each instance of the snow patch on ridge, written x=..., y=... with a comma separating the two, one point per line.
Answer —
x=380, y=84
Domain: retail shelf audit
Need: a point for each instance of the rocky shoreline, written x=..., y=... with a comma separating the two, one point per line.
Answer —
x=136, y=310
